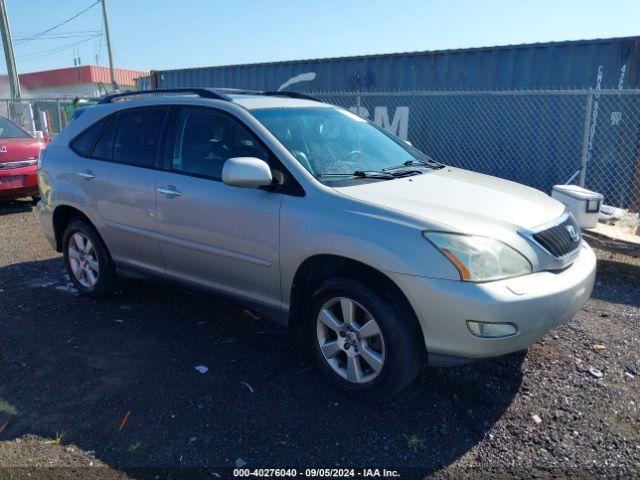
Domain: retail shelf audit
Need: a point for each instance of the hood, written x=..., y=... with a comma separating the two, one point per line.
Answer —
x=461, y=200
x=17, y=149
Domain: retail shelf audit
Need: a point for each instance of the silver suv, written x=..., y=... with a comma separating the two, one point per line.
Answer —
x=383, y=258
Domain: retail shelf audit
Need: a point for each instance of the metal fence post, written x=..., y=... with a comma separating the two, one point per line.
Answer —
x=59, y=115
x=585, y=138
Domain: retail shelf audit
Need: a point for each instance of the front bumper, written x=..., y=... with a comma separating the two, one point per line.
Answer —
x=534, y=303
x=19, y=182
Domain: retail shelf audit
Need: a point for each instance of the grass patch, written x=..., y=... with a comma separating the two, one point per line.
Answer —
x=414, y=442
x=57, y=440
x=134, y=447
x=7, y=408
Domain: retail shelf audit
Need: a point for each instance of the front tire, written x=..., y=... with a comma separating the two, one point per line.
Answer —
x=364, y=342
x=88, y=261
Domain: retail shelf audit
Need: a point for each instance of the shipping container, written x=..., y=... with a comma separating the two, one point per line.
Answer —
x=555, y=65
x=534, y=113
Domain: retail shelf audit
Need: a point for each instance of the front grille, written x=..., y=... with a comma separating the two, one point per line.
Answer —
x=18, y=164
x=558, y=240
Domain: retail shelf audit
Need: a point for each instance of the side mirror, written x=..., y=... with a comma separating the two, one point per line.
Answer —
x=246, y=172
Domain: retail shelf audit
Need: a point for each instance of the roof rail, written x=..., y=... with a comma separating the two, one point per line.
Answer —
x=201, y=92
x=237, y=91
x=268, y=93
x=290, y=94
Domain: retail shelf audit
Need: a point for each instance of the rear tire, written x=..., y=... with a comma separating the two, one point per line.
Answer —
x=88, y=261
x=382, y=357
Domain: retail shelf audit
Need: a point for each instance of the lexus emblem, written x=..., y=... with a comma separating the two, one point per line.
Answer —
x=3, y=149
x=573, y=233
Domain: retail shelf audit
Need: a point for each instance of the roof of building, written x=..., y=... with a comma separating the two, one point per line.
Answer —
x=75, y=75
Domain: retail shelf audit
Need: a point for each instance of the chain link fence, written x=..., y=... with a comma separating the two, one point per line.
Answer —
x=539, y=138
x=47, y=115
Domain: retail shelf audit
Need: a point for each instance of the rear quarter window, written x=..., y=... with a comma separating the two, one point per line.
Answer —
x=104, y=147
x=82, y=143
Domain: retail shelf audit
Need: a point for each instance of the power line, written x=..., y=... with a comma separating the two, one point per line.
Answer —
x=69, y=32
x=59, y=48
x=62, y=35
x=44, y=32
x=52, y=51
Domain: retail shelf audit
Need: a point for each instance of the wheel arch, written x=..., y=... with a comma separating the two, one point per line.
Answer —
x=62, y=216
x=318, y=268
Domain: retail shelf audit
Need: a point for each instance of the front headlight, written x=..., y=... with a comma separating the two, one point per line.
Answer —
x=480, y=259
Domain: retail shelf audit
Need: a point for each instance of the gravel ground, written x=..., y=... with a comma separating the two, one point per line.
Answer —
x=105, y=387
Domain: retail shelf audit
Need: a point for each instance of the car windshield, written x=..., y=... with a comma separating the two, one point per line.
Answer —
x=8, y=129
x=332, y=141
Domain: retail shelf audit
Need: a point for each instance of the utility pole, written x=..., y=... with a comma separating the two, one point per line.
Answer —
x=105, y=16
x=14, y=82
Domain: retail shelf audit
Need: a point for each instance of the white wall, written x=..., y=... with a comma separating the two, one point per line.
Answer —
x=92, y=90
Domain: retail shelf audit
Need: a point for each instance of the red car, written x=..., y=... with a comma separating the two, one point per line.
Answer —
x=19, y=154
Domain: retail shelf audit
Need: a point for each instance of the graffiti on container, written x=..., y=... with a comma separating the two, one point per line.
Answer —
x=303, y=77
x=594, y=112
x=616, y=118
x=623, y=70
x=397, y=125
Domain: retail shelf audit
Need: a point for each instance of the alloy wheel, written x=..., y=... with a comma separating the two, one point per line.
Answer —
x=350, y=340
x=83, y=260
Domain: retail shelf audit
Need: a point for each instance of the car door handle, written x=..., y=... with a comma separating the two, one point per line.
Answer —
x=86, y=174
x=169, y=190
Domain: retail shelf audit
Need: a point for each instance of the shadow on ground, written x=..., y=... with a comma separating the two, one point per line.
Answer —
x=8, y=207
x=613, y=280
x=72, y=364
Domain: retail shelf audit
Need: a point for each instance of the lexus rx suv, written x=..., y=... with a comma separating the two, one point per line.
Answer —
x=385, y=259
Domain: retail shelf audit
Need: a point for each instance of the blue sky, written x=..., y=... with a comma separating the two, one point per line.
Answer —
x=161, y=34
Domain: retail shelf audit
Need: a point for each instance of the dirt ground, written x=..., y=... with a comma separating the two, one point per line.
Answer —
x=110, y=389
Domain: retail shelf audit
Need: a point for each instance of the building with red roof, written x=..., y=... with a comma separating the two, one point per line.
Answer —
x=86, y=81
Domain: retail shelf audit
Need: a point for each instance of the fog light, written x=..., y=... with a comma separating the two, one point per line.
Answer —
x=491, y=330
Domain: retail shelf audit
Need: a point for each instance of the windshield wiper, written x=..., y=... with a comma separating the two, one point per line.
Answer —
x=373, y=174
x=408, y=163
x=360, y=174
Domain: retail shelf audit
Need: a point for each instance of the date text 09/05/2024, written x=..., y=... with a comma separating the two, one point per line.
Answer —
x=316, y=472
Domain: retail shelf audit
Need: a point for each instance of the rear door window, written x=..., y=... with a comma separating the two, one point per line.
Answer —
x=132, y=137
x=138, y=136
